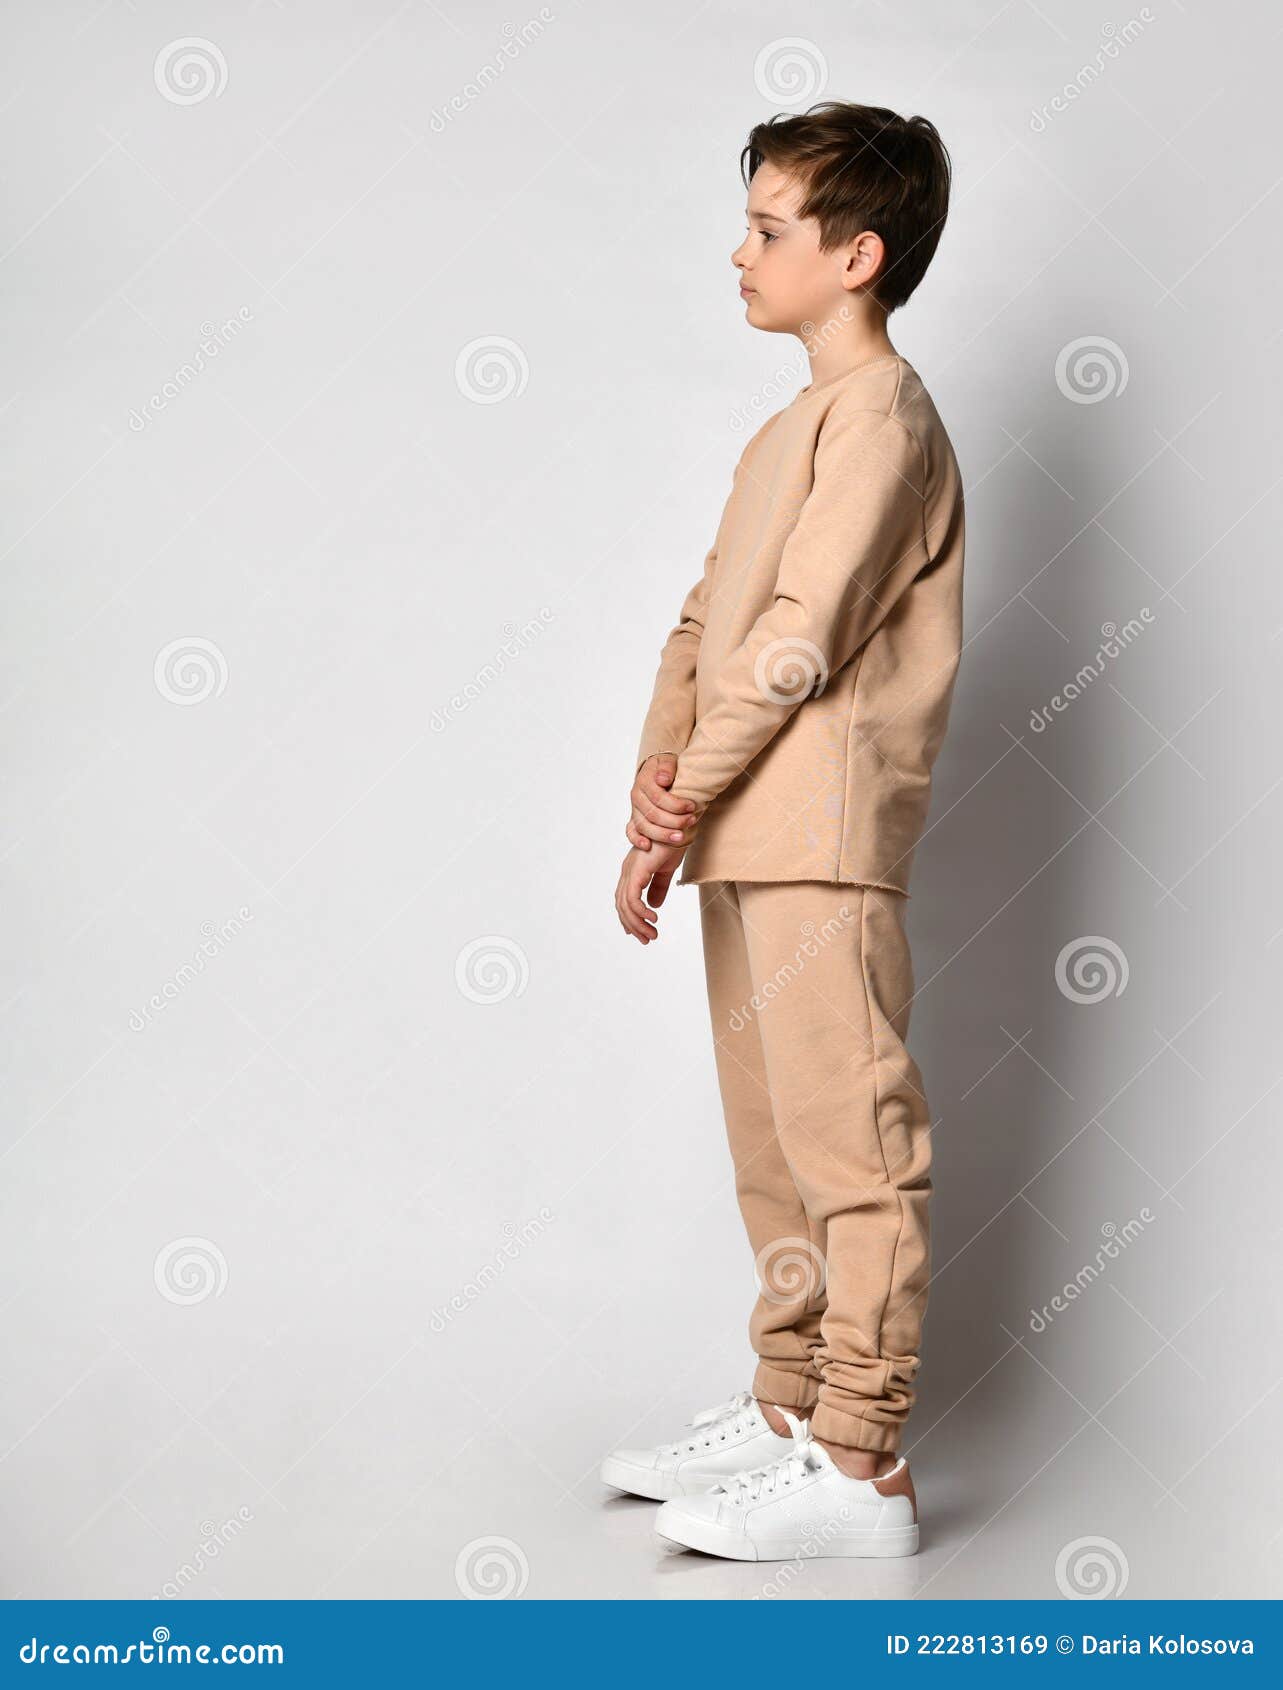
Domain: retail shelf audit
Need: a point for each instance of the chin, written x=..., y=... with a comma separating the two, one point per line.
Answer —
x=758, y=317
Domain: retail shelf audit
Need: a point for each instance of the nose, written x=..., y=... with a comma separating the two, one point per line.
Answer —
x=737, y=258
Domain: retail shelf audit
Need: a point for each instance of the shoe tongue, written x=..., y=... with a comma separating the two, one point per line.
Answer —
x=803, y=1443
x=820, y=1457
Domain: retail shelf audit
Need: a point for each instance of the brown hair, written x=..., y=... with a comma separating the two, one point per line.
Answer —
x=863, y=167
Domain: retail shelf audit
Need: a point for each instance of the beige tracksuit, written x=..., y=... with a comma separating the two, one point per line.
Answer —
x=806, y=691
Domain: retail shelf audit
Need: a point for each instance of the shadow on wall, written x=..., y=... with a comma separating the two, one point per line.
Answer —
x=1012, y=876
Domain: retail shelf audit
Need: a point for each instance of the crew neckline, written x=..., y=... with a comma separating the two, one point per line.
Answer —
x=865, y=364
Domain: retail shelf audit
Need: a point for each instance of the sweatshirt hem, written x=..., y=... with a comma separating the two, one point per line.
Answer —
x=705, y=878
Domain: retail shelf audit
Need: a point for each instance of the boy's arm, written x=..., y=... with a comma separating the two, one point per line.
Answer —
x=857, y=544
x=671, y=716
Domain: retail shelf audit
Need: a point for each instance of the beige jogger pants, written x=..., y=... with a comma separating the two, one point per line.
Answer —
x=809, y=986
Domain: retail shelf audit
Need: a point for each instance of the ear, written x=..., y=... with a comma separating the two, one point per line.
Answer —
x=865, y=256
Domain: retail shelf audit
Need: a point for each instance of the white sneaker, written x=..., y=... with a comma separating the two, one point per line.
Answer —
x=797, y=1507
x=719, y=1441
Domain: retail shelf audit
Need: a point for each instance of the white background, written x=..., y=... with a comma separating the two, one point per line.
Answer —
x=351, y=1124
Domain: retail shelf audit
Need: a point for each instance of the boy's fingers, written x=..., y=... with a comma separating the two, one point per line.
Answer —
x=666, y=832
x=659, y=889
x=660, y=798
x=632, y=915
x=635, y=836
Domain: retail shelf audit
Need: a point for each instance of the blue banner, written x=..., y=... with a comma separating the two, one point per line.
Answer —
x=320, y=1643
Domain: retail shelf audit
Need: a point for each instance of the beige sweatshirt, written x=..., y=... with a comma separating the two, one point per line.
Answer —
x=806, y=686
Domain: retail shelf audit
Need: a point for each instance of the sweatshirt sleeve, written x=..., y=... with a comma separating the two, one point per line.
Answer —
x=857, y=544
x=671, y=715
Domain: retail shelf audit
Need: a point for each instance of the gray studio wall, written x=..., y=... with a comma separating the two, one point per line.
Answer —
x=373, y=381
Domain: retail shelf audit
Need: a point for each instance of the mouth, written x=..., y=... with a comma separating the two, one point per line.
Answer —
x=745, y=291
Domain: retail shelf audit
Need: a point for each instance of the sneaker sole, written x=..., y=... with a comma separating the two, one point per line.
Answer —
x=654, y=1486
x=639, y=1481
x=888, y=1544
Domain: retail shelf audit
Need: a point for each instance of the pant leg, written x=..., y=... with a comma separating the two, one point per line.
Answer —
x=832, y=965
x=784, y=1327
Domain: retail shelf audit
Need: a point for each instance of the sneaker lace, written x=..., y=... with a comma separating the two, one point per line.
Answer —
x=711, y=1425
x=756, y=1482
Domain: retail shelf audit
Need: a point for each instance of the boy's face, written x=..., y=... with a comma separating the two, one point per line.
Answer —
x=785, y=279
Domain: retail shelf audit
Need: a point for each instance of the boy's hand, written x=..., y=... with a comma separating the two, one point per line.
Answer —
x=654, y=867
x=656, y=814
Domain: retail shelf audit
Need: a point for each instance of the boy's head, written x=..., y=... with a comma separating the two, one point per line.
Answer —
x=845, y=203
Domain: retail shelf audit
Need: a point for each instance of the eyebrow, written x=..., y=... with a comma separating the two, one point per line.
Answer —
x=767, y=216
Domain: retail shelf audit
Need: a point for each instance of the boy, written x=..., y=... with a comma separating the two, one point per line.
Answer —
x=785, y=762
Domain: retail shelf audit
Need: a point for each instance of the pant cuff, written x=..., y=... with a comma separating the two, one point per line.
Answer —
x=854, y=1431
x=788, y=1387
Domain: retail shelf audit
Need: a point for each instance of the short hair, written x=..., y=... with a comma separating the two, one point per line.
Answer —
x=863, y=167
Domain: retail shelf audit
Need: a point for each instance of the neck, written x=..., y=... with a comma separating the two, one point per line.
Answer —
x=852, y=335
